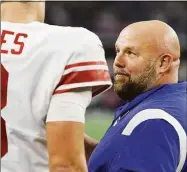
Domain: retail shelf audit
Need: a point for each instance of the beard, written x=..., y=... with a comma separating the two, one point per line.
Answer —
x=129, y=88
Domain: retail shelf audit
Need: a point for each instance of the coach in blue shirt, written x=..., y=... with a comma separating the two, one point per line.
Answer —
x=148, y=133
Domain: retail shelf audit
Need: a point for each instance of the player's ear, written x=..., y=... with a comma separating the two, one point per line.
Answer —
x=165, y=62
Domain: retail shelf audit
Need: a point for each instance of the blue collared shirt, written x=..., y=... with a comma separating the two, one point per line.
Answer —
x=146, y=134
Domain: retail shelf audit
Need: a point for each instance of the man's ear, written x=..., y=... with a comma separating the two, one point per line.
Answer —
x=165, y=62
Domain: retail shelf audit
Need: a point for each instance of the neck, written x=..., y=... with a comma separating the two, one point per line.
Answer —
x=167, y=79
x=17, y=12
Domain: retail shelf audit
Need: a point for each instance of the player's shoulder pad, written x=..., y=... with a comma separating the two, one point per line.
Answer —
x=76, y=36
x=86, y=36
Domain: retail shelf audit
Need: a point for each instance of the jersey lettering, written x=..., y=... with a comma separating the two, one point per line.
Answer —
x=9, y=36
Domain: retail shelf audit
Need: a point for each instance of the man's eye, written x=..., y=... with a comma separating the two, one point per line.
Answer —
x=117, y=51
x=130, y=52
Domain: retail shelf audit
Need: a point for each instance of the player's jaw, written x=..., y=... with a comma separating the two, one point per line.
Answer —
x=129, y=86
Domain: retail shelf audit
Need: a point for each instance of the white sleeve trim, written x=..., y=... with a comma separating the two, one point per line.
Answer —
x=69, y=106
x=160, y=114
x=85, y=68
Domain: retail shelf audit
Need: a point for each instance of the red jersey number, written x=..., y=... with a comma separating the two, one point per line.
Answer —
x=4, y=78
x=4, y=84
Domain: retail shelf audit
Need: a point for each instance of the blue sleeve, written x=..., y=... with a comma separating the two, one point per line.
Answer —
x=153, y=146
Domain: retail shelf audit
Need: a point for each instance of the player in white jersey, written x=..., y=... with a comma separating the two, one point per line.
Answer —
x=49, y=75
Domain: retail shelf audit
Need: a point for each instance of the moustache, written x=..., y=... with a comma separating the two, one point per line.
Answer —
x=121, y=72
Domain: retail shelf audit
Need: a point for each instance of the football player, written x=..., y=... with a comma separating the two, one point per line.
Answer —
x=49, y=75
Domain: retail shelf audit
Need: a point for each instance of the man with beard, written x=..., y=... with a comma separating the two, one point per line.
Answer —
x=148, y=133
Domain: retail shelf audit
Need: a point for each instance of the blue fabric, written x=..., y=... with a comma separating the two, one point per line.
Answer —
x=154, y=144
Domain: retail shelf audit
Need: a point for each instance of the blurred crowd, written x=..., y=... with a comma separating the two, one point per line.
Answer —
x=107, y=19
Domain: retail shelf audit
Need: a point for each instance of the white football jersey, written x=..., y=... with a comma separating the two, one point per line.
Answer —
x=37, y=61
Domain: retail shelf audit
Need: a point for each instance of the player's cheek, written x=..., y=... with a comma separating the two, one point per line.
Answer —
x=136, y=67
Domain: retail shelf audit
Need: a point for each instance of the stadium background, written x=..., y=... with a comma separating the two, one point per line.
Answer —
x=107, y=19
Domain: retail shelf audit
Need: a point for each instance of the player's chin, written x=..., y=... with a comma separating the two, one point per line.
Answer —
x=119, y=81
x=118, y=86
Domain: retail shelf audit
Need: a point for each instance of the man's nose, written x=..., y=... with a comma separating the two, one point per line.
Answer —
x=119, y=61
